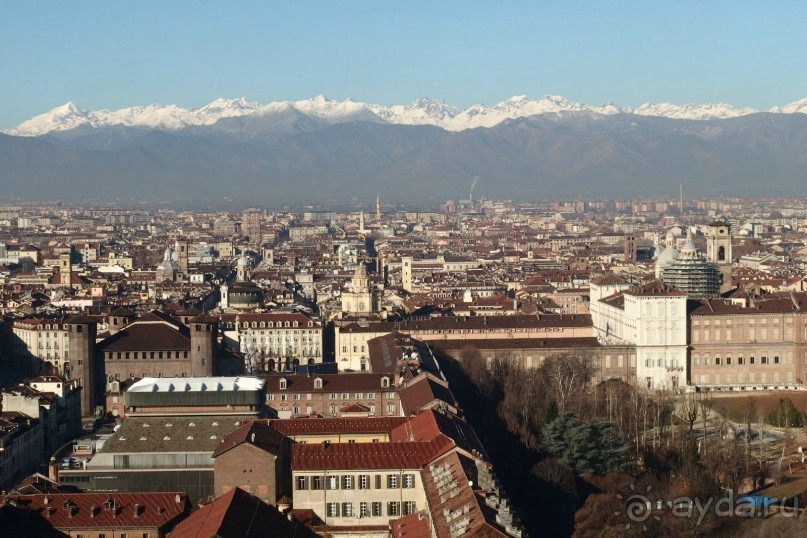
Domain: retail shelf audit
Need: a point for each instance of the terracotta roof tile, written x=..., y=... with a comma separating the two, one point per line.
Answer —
x=406, y=455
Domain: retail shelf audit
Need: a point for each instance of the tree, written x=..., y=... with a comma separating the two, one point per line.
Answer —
x=705, y=409
x=556, y=472
x=593, y=447
x=566, y=378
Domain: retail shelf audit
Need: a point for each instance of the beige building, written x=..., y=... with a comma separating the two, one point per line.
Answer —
x=41, y=344
x=363, y=484
x=744, y=344
x=351, y=340
x=333, y=395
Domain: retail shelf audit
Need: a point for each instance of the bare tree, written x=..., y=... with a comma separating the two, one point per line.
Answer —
x=705, y=402
x=567, y=377
x=688, y=407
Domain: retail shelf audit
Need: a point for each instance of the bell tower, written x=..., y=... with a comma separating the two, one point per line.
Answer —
x=718, y=250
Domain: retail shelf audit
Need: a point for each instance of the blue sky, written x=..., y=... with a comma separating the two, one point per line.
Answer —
x=117, y=54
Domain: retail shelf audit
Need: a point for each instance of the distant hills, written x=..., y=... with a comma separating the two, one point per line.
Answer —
x=426, y=151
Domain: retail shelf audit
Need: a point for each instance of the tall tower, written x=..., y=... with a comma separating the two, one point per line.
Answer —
x=204, y=333
x=81, y=362
x=242, y=268
x=378, y=209
x=718, y=251
x=361, y=222
x=406, y=273
x=224, y=292
x=251, y=220
x=66, y=270
x=182, y=247
x=118, y=319
x=630, y=248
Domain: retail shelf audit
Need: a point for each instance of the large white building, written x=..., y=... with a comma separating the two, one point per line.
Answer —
x=276, y=340
x=653, y=318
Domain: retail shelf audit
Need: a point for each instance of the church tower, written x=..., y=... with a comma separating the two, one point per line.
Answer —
x=718, y=251
x=66, y=270
x=406, y=273
x=360, y=299
x=242, y=268
x=182, y=247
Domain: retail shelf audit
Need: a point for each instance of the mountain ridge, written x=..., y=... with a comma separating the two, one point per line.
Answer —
x=545, y=156
x=424, y=111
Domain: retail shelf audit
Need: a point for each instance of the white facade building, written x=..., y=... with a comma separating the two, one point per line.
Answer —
x=653, y=318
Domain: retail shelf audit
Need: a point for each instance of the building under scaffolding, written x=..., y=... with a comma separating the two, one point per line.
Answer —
x=691, y=273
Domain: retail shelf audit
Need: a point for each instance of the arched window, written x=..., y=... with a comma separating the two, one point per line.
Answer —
x=318, y=383
x=721, y=253
x=385, y=382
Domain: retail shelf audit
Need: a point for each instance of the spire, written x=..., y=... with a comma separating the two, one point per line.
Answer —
x=378, y=209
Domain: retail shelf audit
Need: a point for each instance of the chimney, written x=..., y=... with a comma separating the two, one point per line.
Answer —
x=178, y=498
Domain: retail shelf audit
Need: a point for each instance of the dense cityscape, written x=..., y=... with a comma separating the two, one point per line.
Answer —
x=484, y=367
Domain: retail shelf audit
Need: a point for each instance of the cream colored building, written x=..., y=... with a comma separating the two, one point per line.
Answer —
x=42, y=339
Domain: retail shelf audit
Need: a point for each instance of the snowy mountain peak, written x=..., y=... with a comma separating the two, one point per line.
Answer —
x=799, y=106
x=422, y=111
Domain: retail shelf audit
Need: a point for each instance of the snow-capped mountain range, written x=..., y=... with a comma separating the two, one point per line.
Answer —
x=420, y=112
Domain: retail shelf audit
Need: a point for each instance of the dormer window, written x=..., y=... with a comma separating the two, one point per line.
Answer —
x=295, y=324
x=318, y=383
x=310, y=323
x=271, y=324
x=287, y=324
x=263, y=325
x=282, y=384
x=385, y=382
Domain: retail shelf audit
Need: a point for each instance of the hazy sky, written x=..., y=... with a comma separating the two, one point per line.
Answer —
x=115, y=54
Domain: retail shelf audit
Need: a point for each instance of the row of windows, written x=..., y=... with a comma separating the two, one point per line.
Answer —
x=751, y=321
x=121, y=535
x=727, y=361
x=345, y=396
x=660, y=363
x=148, y=355
x=362, y=481
x=367, y=509
x=385, y=382
x=270, y=324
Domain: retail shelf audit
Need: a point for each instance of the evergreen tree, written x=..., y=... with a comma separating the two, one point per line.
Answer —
x=593, y=447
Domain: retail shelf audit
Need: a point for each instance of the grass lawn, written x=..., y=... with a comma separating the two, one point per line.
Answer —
x=736, y=405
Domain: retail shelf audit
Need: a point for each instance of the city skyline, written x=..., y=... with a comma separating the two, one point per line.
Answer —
x=126, y=55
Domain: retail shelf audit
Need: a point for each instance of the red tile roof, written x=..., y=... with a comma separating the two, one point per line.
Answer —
x=357, y=456
x=318, y=426
x=237, y=514
x=103, y=510
x=429, y=424
x=423, y=392
x=256, y=433
x=417, y=525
